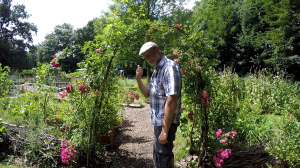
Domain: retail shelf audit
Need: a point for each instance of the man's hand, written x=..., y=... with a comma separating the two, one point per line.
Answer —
x=100, y=50
x=139, y=72
x=163, y=137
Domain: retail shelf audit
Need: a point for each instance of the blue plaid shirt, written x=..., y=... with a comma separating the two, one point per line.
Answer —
x=165, y=81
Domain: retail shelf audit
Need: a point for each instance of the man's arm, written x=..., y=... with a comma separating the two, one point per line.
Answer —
x=142, y=87
x=170, y=107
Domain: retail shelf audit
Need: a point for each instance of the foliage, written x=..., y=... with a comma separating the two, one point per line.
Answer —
x=285, y=145
x=4, y=80
x=67, y=40
x=15, y=35
x=254, y=33
x=255, y=106
x=28, y=72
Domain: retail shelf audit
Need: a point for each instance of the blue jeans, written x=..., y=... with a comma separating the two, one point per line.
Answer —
x=163, y=156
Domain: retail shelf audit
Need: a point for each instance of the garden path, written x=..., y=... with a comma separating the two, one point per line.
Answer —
x=134, y=140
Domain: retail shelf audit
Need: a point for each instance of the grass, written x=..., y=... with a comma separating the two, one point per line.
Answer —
x=181, y=146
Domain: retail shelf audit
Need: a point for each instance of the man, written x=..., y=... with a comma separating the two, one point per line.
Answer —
x=164, y=92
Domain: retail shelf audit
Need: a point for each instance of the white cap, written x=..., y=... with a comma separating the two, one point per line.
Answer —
x=146, y=47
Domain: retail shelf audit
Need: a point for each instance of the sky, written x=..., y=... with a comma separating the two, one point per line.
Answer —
x=46, y=14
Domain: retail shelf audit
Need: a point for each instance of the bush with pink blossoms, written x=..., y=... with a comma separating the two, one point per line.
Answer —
x=130, y=97
x=222, y=155
x=67, y=152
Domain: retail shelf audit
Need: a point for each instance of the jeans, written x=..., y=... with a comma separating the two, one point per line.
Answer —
x=163, y=156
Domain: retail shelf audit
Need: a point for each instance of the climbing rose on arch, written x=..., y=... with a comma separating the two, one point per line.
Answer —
x=205, y=95
x=184, y=72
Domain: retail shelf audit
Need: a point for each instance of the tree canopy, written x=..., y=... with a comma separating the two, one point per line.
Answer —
x=242, y=34
x=15, y=35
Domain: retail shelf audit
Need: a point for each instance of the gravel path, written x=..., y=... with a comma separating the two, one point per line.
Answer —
x=134, y=140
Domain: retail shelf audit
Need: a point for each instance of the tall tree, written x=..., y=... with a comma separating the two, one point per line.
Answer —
x=15, y=35
x=252, y=33
x=65, y=38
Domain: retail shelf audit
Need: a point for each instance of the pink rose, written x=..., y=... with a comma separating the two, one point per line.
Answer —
x=137, y=97
x=191, y=116
x=83, y=88
x=63, y=94
x=233, y=133
x=47, y=121
x=205, y=95
x=54, y=64
x=217, y=161
x=56, y=118
x=175, y=53
x=184, y=72
x=227, y=134
x=228, y=151
x=176, y=60
x=218, y=133
x=202, y=100
x=224, y=155
x=177, y=25
x=69, y=88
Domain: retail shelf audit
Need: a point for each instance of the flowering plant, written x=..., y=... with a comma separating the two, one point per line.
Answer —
x=130, y=97
x=67, y=152
x=222, y=155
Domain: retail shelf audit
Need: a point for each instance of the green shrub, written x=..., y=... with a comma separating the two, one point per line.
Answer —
x=4, y=80
x=286, y=144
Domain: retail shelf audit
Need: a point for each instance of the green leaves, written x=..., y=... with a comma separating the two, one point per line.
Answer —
x=5, y=81
x=15, y=35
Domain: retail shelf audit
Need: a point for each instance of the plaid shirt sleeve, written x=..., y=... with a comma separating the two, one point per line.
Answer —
x=172, y=80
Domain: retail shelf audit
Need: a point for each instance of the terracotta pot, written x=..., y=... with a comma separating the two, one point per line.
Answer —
x=108, y=139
